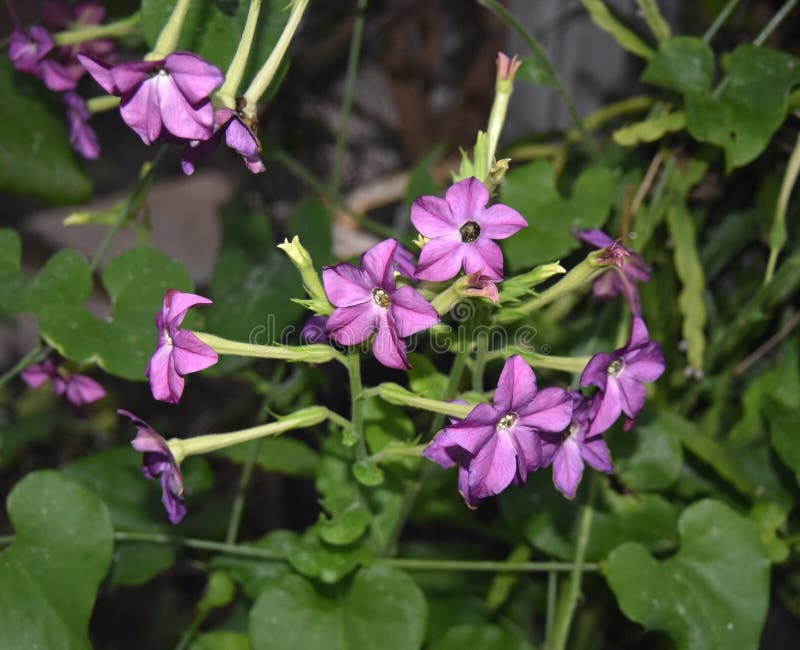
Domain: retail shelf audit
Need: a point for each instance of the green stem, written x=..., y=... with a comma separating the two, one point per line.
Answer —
x=170, y=33
x=233, y=77
x=568, y=604
x=193, y=628
x=720, y=20
x=552, y=595
x=772, y=25
x=35, y=355
x=241, y=491
x=102, y=104
x=551, y=362
x=116, y=29
x=777, y=237
x=503, y=14
x=481, y=357
x=396, y=394
x=267, y=72
x=347, y=99
x=356, y=402
x=312, y=353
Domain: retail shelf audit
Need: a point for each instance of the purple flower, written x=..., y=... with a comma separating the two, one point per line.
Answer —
x=405, y=263
x=159, y=461
x=568, y=452
x=81, y=136
x=367, y=299
x=179, y=352
x=30, y=53
x=503, y=440
x=461, y=229
x=479, y=286
x=168, y=98
x=612, y=283
x=314, y=331
x=446, y=453
x=238, y=136
x=621, y=376
x=78, y=389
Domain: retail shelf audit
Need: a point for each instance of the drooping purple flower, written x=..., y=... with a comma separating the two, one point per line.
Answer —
x=314, y=331
x=162, y=99
x=631, y=265
x=238, y=136
x=568, y=452
x=81, y=136
x=367, y=299
x=30, y=52
x=502, y=439
x=179, y=351
x=621, y=376
x=461, y=229
x=78, y=389
x=479, y=286
x=159, y=461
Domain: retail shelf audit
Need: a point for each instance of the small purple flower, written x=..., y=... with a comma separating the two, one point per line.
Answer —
x=159, y=461
x=30, y=53
x=461, y=229
x=162, y=99
x=568, y=452
x=314, y=331
x=479, y=286
x=621, y=376
x=367, y=299
x=78, y=389
x=502, y=441
x=238, y=136
x=81, y=136
x=632, y=267
x=179, y=352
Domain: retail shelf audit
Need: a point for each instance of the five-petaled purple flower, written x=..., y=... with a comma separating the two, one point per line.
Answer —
x=501, y=443
x=621, y=376
x=631, y=265
x=179, y=352
x=367, y=299
x=162, y=99
x=569, y=451
x=159, y=461
x=461, y=229
x=30, y=52
x=78, y=389
x=238, y=136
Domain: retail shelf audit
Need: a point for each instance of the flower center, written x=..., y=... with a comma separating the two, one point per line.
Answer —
x=507, y=421
x=470, y=231
x=381, y=298
x=168, y=339
x=615, y=367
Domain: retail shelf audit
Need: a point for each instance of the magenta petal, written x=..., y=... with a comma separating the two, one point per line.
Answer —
x=516, y=386
x=645, y=364
x=595, y=237
x=177, y=303
x=595, y=371
x=82, y=390
x=442, y=450
x=632, y=394
x=354, y=324
x=195, y=77
x=550, y=410
x=100, y=71
x=165, y=382
x=440, y=259
x=609, y=411
x=568, y=468
x=388, y=347
x=56, y=77
x=494, y=466
x=431, y=216
x=127, y=77
x=255, y=165
x=639, y=335
x=38, y=373
x=500, y=221
x=596, y=454
x=464, y=490
x=190, y=354
x=411, y=312
x=195, y=151
x=467, y=200
x=485, y=257
x=529, y=450
x=180, y=118
x=378, y=264
x=472, y=432
x=241, y=139
x=140, y=111
x=346, y=285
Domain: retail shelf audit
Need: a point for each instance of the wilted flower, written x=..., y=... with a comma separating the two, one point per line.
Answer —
x=78, y=389
x=367, y=299
x=179, y=352
x=461, y=229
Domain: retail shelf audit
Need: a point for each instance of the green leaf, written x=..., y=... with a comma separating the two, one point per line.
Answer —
x=608, y=22
x=328, y=563
x=50, y=575
x=650, y=130
x=784, y=425
x=712, y=594
x=483, y=636
x=535, y=72
x=385, y=423
x=221, y=640
x=684, y=64
x=380, y=606
x=750, y=109
x=36, y=158
x=289, y=456
x=219, y=592
x=347, y=524
x=649, y=457
x=368, y=473
x=531, y=190
x=254, y=574
x=654, y=18
x=424, y=378
x=690, y=271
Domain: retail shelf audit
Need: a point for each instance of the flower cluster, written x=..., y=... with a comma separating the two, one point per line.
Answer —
x=34, y=52
x=79, y=390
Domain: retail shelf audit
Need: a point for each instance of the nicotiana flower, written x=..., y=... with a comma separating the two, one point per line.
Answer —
x=567, y=452
x=621, y=376
x=81, y=136
x=162, y=99
x=314, y=330
x=446, y=453
x=461, y=228
x=238, y=136
x=502, y=440
x=78, y=389
x=632, y=267
x=30, y=52
x=179, y=351
x=367, y=299
x=158, y=461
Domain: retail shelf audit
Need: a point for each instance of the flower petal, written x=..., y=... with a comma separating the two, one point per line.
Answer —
x=632, y=394
x=473, y=431
x=354, y=324
x=494, y=466
x=346, y=285
x=550, y=410
x=593, y=236
x=440, y=259
x=140, y=111
x=101, y=73
x=516, y=386
x=165, y=382
x=501, y=221
x=596, y=371
x=190, y=354
x=182, y=119
x=467, y=200
x=195, y=77
x=177, y=303
x=596, y=454
x=529, y=450
x=609, y=410
x=378, y=264
x=82, y=390
x=568, y=468
x=483, y=256
x=431, y=216
x=411, y=312
x=388, y=347
x=645, y=364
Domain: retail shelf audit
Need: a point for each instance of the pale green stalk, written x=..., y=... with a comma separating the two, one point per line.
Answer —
x=777, y=235
x=233, y=77
x=313, y=353
x=102, y=104
x=116, y=29
x=170, y=33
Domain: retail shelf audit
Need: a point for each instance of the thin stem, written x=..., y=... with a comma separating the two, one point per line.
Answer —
x=772, y=25
x=569, y=602
x=233, y=77
x=347, y=99
x=720, y=20
x=170, y=33
x=481, y=357
x=396, y=394
x=552, y=595
x=551, y=362
x=356, y=403
x=500, y=11
x=311, y=353
x=237, y=508
x=35, y=355
x=116, y=29
x=777, y=237
x=193, y=628
x=102, y=104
